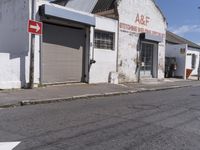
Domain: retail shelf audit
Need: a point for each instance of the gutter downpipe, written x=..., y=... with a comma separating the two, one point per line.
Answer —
x=139, y=58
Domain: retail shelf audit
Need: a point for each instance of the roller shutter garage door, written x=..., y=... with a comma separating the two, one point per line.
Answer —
x=62, y=54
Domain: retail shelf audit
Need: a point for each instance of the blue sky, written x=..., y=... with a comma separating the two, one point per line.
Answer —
x=183, y=17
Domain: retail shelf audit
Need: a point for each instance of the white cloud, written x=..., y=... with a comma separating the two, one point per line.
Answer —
x=184, y=29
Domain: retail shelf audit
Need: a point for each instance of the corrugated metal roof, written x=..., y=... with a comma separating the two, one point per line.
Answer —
x=103, y=5
x=175, y=39
x=82, y=5
x=60, y=2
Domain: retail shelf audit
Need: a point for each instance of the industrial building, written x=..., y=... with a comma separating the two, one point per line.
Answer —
x=92, y=41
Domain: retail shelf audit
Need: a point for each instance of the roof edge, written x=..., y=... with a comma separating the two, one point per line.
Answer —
x=194, y=45
x=164, y=18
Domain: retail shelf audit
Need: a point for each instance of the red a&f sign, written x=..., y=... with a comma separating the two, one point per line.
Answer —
x=142, y=19
x=35, y=27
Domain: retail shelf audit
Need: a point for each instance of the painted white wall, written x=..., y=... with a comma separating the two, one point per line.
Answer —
x=105, y=59
x=189, y=60
x=129, y=35
x=14, y=43
x=173, y=50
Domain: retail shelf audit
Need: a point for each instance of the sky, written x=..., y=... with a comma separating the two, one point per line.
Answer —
x=183, y=17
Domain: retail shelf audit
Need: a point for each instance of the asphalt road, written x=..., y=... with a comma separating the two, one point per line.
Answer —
x=161, y=120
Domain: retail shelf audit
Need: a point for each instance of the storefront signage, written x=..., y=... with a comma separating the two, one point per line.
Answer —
x=139, y=26
x=132, y=28
x=142, y=19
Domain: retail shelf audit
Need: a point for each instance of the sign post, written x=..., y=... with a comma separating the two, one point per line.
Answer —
x=35, y=28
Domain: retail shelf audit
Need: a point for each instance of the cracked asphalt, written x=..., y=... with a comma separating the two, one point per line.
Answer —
x=155, y=120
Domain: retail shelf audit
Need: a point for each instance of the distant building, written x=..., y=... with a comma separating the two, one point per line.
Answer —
x=187, y=55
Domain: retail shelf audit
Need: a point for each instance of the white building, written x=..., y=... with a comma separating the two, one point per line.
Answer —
x=106, y=41
x=187, y=55
x=141, y=41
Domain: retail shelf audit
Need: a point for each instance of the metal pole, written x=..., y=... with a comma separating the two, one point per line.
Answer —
x=199, y=69
x=31, y=76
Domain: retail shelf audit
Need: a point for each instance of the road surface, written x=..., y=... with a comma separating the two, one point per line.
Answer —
x=161, y=120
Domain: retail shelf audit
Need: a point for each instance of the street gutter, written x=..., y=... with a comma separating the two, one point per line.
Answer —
x=89, y=96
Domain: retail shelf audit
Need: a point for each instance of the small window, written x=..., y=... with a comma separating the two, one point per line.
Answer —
x=104, y=40
x=193, y=61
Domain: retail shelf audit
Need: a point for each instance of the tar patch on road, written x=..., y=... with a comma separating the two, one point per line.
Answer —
x=194, y=95
x=144, y=107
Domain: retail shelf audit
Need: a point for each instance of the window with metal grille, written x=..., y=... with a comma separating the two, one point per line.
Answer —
x=104, y=40
x=193, y=61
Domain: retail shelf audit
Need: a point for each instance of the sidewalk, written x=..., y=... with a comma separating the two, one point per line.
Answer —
x=12, y=98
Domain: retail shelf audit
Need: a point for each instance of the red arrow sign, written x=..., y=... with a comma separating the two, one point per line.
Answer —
x=34, y=27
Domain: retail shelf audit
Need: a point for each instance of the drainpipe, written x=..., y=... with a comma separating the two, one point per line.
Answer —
x=31, y=74
x=117, y=48
x=139, y=58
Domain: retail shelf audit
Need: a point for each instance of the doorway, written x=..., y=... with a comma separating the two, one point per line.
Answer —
x=148, y=57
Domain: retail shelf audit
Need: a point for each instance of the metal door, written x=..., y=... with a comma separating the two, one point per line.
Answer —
x=62, y=54
x=147, y=60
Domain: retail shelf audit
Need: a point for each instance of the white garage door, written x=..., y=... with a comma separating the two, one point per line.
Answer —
x=62, y=58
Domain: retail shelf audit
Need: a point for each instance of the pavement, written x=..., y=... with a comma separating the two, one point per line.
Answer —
x=51, y=94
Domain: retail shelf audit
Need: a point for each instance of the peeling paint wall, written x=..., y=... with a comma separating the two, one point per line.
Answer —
x=14, y=43
x=138, y=16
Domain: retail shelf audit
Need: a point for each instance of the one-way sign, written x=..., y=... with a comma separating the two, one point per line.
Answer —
x=35, y=27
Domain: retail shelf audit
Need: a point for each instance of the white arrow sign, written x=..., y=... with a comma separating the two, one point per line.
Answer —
x=37, y=27
x=8, y=145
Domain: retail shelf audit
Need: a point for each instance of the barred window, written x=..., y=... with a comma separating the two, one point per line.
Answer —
x=193, y=61
x=104, y=40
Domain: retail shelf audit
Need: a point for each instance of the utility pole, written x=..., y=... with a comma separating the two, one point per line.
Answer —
x=31, y=74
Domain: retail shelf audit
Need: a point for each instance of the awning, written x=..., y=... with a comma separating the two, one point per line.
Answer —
x=67, y=14
x=150, y=37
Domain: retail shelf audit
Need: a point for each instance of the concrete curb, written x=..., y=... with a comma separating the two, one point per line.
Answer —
x=89, y=96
